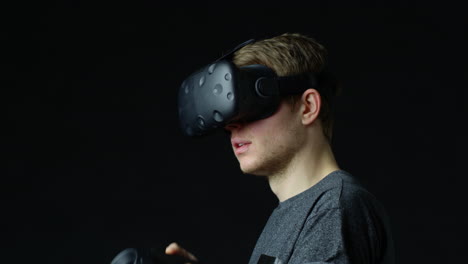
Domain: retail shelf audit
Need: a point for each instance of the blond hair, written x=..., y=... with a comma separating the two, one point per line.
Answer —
x=290, y=54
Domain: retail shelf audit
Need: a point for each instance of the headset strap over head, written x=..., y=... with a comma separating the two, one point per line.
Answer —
x=230, y=54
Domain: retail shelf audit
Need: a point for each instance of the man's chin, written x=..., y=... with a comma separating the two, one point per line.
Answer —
x=252, y=170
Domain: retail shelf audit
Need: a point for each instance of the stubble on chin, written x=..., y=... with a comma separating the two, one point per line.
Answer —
x=274, y=158
x=272, y=165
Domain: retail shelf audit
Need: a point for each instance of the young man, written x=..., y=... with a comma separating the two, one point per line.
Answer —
x=324, y=215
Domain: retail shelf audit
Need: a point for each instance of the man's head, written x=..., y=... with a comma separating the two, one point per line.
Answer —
x=290, y=54
x=267, y=146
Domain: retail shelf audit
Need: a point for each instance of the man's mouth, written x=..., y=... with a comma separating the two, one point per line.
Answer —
x=240, y=146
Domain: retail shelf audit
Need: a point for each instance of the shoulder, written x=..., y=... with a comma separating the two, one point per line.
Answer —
x=356, y=200
x=343, y=192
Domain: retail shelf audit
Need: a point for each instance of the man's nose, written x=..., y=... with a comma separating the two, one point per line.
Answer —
x=233, y=126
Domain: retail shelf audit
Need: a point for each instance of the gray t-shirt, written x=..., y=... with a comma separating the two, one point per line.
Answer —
x=334, y=221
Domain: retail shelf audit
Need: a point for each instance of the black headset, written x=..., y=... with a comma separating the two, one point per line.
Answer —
x=220, y=93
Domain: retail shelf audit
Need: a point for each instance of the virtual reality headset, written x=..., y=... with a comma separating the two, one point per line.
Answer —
x=221, y=93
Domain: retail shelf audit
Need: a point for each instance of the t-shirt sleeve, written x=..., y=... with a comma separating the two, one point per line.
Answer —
x=337, y=236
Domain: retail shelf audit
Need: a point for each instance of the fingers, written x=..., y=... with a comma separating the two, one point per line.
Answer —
x=175, y=249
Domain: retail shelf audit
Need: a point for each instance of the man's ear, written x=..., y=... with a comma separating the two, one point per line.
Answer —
x=310, y=106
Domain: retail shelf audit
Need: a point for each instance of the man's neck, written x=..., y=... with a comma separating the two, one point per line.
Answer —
x=306, y=169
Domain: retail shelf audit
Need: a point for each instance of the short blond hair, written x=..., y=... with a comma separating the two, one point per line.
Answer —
x=290, y=54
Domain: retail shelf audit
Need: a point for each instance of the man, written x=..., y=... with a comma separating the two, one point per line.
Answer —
x=324, y=215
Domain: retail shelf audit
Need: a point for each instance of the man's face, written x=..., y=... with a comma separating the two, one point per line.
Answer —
x=266, y=146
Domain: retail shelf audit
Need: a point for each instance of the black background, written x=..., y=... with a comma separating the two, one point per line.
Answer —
x=96, y=162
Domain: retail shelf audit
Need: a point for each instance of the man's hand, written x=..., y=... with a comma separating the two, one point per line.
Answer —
x=175, y=249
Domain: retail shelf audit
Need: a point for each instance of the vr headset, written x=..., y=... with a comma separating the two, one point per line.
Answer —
x=221, y=93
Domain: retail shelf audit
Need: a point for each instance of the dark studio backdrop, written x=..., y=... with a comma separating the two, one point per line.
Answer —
x=95, y=161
